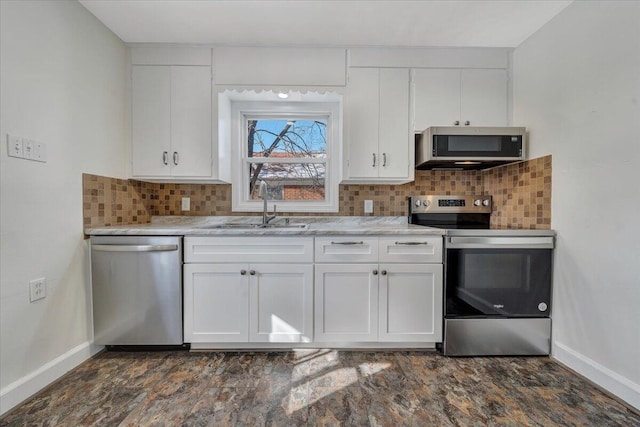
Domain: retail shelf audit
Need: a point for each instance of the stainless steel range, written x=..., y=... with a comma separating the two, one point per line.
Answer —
x=497, y=282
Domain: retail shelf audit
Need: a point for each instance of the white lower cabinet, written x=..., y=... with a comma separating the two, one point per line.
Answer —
x=346, y=303
x=228, y=298
x=216, y=303
x=369, y=289
x=281, y=301
x=410, y=303
x=393, y=295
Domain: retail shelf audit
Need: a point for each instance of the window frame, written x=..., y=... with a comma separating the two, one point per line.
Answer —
x=242, y=111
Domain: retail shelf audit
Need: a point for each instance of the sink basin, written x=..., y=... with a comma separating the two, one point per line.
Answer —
x=300, y=226
x=241, y=226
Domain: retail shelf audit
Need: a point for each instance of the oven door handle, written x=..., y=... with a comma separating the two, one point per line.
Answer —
x=501, y=242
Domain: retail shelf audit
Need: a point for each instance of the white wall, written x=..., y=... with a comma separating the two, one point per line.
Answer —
x=63, y=77
x=577, y=89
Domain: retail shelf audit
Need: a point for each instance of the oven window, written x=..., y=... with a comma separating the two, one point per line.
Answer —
x=497, y=282
x=496, y=271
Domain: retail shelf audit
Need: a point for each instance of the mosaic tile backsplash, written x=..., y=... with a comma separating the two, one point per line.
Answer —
x=521, y=194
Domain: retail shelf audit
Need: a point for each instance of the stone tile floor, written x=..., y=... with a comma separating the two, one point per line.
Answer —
x=318, y=387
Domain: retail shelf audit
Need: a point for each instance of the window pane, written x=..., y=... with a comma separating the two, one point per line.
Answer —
x=289, y=181
x=287, y=138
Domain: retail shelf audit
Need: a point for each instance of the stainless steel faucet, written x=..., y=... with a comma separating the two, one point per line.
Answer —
x=262, y=193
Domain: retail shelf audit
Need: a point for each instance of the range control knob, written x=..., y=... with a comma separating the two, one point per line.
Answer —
x=542, y=306
x=477, y=202
x=418, y=202
x=485, y=202
x=426, y=203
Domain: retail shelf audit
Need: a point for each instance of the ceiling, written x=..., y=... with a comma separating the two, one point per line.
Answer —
x=396, y=23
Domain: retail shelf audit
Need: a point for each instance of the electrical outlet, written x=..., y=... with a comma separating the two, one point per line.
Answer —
x=14, y=146
x=186, y=203
x=368, y=206
x=37, y=289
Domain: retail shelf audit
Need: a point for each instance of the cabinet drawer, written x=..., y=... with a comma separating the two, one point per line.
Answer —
x=248, y=249
x=346, y=249
x=418, y=249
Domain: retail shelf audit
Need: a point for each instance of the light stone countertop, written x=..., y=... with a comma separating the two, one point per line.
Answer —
x=325, y=225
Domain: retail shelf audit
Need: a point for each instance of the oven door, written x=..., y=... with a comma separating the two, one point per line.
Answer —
x=498, y=276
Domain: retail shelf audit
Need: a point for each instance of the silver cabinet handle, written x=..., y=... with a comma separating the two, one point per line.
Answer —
x=374, y=160
x=375, y=272
x=467, y=123
x=384, y=159
x=243, y=272
x=134, y=248
x=383, y=272
x=456, y=123
x=165, y=158
x=252, y=272
x=347, y=243
x=175, y=158
x=412, y=243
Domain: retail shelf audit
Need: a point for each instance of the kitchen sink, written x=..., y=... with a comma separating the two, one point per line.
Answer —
x=240, y=226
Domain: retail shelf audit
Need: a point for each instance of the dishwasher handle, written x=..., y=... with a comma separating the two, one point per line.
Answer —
x=134, y=248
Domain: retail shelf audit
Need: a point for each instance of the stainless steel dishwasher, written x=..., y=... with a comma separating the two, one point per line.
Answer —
x=137, y=290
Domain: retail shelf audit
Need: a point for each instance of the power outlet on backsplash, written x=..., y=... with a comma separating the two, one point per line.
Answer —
x=368, y=206
x=186, y=203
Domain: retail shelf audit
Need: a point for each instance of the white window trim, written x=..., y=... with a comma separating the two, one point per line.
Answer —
x=239, y=178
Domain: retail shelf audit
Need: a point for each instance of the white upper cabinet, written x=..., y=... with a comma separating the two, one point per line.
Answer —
x=171, y=122
x=460, y=97
x=378, y=144
x=191, y=121
x=151, y=120
x=484, y=98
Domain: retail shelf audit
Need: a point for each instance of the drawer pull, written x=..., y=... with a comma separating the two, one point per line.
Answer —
x=252, y=272
x=383, y=272
x=412, y=243
x=243, y=272
x=375, y=272
x=348, y=243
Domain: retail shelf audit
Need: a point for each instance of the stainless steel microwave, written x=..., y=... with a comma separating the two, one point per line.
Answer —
x=470, y=147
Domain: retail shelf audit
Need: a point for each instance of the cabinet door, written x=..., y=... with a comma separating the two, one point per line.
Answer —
x=191, y=121
x=216, y=303
x=281, y=303
x=436, y=97
x=362, y=110
x=410, y=302
x=151, y=120
x=394, y=136
x=346, y=303
x=484, y=98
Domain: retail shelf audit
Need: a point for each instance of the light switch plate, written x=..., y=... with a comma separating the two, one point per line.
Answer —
x=27, y=148
x=39, y=152
x=14, y=146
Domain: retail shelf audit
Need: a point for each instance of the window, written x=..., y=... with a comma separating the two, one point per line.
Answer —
x=294, y=147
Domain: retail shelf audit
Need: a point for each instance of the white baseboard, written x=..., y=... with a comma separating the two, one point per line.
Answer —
x=27, y=386
x=604, y=377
